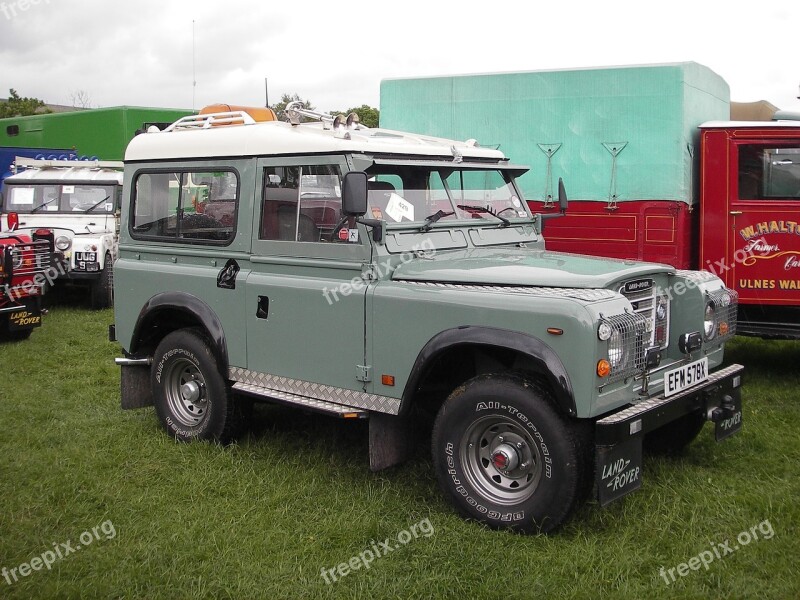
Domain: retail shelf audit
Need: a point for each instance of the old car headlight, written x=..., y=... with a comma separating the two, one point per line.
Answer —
x=604, y=331
x=616, y=349
x=63, y=242
x=709, y=321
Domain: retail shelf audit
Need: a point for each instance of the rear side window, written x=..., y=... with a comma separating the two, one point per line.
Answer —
x=185, y=206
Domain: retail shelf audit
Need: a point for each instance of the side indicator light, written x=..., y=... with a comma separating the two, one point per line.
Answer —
x=387, y=380
x=603, y=368
x=555, y=331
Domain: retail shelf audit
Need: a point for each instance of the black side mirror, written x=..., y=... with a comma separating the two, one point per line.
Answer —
x=354, y=194
x=562, y=205
x=563, y=201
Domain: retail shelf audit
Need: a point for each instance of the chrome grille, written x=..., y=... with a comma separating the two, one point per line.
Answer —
x=645, y=297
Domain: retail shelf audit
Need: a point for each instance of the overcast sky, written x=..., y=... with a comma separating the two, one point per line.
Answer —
x=336, y=53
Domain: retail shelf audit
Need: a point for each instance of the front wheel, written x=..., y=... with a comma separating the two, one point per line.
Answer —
x=505, y=457
x=191, y=398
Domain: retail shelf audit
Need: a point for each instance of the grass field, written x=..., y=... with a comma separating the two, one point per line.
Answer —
x=264, y=517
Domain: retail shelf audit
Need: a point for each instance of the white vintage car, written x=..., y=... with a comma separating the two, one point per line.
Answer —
x=79, y=202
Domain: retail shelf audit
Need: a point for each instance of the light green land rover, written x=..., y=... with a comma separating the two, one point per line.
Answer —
x=368, y=273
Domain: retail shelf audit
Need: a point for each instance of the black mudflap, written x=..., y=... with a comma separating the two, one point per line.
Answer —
x=618, y=469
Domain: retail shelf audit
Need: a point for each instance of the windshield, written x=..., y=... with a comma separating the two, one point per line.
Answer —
x=403, y=194
x=54, y=198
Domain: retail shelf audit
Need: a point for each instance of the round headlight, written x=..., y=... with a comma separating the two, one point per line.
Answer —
x=661, y=312
x=63, y=242
x=616, y=349
x=709, y=321
x=604, y=331
x=16, y=260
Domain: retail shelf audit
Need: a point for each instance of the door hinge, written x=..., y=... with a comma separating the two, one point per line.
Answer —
x=364, y=373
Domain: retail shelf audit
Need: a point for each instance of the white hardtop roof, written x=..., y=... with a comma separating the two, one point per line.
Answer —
x=272, y=138
x=751, y=124
x=67, y=175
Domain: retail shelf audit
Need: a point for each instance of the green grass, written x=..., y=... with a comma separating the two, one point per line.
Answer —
x=262, y=518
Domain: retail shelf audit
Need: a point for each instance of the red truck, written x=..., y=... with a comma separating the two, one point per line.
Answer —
x=24, y=268
x=745, y=227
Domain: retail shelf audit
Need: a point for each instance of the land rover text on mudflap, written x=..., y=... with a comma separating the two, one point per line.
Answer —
x=24, y=261
x=78, y=200
x=368, y=273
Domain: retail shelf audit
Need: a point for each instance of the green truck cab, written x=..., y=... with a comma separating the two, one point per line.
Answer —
x=368, y=273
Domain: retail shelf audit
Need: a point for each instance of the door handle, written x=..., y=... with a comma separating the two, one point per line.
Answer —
x=736, y=212
x=262, y=312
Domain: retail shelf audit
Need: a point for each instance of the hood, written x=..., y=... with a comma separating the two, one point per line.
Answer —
x=523, y=267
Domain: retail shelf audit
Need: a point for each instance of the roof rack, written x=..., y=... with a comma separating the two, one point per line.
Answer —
x=206, y=121
x=23, y=161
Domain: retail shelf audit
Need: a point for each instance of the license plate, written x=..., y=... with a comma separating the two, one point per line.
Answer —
x=24, y=319
x=685, y=377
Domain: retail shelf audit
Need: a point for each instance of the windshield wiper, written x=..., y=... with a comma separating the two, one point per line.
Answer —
x=485, y=209
x=95, y=205
x=429, y=221
x=43, y=204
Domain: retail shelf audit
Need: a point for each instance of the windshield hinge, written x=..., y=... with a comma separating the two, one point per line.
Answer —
x=364, y=373
x=369, y=272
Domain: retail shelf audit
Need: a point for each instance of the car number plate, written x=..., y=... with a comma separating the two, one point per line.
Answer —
x=685, y=377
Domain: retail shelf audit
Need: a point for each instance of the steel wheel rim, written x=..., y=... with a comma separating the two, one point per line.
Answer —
x=493, y=435
x=186, y=392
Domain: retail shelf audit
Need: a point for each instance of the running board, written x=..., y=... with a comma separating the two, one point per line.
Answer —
x=329, y=408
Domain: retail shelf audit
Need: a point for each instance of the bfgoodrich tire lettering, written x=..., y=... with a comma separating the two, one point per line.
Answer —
x=191, y=398
x=504, y=456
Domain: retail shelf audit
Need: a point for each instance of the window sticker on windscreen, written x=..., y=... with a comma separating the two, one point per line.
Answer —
x=23, y=196
x=398, y=208
x=68, y=189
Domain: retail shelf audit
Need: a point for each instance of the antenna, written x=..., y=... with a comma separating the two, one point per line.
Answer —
x=266, y=93
x=194, y=71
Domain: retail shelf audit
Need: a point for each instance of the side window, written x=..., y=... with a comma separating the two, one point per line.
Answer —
x=186, y=206
x=303, y=204
x=768, y=173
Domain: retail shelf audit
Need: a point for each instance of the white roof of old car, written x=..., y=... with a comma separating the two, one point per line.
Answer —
x=272, y=138
x=67, y=174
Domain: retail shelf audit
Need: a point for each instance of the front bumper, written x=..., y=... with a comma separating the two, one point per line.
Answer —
x=619, y=436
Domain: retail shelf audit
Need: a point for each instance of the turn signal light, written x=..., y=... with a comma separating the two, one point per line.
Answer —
x=603, y=368
x=723, y=328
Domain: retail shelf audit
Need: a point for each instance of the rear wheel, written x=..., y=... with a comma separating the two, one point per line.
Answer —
x=103, y=288
x=504, y=456
x=191, y=398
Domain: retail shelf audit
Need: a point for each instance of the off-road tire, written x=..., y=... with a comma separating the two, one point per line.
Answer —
x=103, y=288
x=550, y=476
x=673, y=438
x=192, y=399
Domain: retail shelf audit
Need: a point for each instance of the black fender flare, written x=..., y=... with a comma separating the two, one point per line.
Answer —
x=191, y=306
x=543, y=355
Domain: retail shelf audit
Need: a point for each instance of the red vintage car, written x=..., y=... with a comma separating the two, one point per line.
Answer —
x=24, y=264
